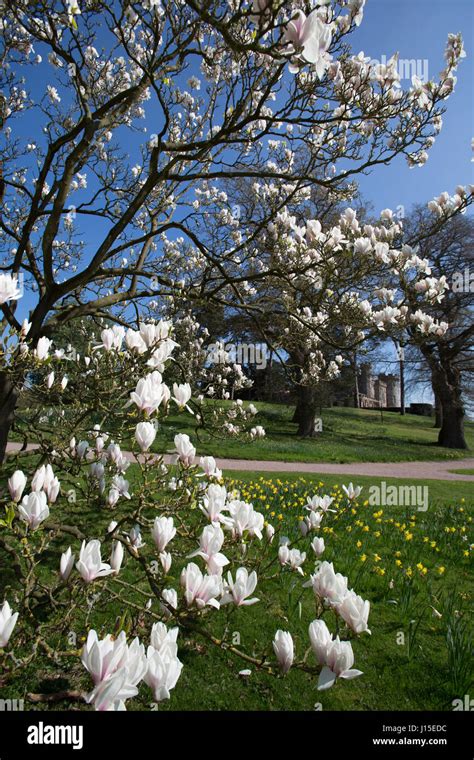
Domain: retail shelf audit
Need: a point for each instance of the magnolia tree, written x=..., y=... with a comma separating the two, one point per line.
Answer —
x=100, y=213
x=173, y=550
x=338, y=284
x=446, y=363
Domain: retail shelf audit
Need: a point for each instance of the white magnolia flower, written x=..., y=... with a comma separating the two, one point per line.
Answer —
x=351, y=492
x=66, y=564
x=90, y=564
x=163, y=672
x=210, y=544
x=149, y=393
x=42, y=348
x=339, y=660
x=321, y=639
x=244, y=519
x=238, y=591
x=9, y=290
x=182, y=394
x=214, y=502
x=200, y=589
x=209, y=466
x=16, y=485
x=162, y=638
x=310, y=38
x=317, y=546
x=145, y=434
x=7, y=624
x=163, y=531
x=116, y=556
x=355, y=612
x=34, y=509
x=284, y=650
x=329, y=585
x=185, y=449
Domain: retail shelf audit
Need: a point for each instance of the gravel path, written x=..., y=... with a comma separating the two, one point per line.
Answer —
x=408, y=470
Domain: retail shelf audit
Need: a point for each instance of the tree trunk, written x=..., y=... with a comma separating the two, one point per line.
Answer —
x=8, y=399
x=438, y=412
x=298, y=411
x=307, y=408
x=446, y=382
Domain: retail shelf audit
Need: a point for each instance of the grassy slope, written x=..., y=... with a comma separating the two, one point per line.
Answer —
x=349, y=435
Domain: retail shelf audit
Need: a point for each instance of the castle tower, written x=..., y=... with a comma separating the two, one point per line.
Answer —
x=393, y=389
x=381, y=392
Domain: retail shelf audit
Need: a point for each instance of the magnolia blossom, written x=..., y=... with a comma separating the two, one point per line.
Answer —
x=42, y=348
x=351, y=492
x=200, y=589
x=110, y=695
x=291, y=557
x=210, y=545
x=355, y=612
x=311, y=522
x=135, y=537
x=269, y=532
x=310, y=37
x=90, y=564
x=166, y=561
x=145, y=434
x=149, y=393
x=321, y=639
x=284, y=650
x=44, y=479
x=209, y=465
x=163, y=671
x=7, y=624
x=9, y=290
x=163, y=531
x=116, y=556
x=162, y=638
x=185, y=449
x=34, y=509
x=182, y=394
x=317, y=546
x=101, y=657
x=339, y=660
x=321, y=503
x=214, y=502
x=116, y=669
x=16, y=485
x=329, y=585
x=238, y=591
x=170, y=599
x=112, y=338
x=66, y=564
x=244, y=519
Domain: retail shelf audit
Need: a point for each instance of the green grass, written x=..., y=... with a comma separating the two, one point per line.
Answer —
x=466, y=471
x=348, y=435
x=414, y=675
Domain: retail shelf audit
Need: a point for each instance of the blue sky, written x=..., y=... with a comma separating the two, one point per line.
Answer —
x=418, y=29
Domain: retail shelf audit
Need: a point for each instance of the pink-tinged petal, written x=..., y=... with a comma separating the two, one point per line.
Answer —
x=348, y=674
x=311, y=27
x=326, y=679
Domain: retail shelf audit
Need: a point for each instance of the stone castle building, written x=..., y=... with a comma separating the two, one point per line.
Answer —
x=379, y=391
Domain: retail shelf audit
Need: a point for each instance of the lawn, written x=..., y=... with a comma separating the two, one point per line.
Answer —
x=414, y=567
x=348, y=435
